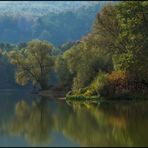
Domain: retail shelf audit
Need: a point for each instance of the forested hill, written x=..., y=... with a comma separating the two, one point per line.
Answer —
x=57, y=23
x=39, y=8
x=61, y=24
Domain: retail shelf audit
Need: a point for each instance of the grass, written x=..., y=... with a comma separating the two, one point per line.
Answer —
x=83, y=98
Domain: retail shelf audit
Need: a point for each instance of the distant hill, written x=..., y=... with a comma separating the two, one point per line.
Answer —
x=39, y=8
x=55, y=21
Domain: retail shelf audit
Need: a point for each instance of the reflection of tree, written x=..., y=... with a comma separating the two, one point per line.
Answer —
x=82, y=126
x=106, y=125
x=33, y=122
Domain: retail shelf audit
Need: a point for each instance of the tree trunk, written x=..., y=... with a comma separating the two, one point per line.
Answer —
x=43, y=85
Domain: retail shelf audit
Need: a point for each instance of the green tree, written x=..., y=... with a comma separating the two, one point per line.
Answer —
x=33, y=63
x=85, y=60
x=133, y=20
x=63, y=72
x=106, y=29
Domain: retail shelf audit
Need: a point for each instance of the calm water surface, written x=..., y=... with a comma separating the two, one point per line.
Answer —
x=31, y=120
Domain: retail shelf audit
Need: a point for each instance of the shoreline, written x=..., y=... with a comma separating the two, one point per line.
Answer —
x=61, y=95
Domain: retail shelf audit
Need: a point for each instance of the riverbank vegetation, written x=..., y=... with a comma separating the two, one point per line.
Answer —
x=109, y=62
x=112, y=59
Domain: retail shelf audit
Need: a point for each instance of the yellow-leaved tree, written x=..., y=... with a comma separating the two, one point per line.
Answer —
x=33, y=63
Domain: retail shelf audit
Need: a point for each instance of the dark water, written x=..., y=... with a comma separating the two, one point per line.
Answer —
x=31, y=120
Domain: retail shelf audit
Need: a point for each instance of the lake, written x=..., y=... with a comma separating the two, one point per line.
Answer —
x=30, y=120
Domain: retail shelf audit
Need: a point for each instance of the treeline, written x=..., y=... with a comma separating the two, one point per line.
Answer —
x=35, y=9
x=8, y=71
x=111, y=60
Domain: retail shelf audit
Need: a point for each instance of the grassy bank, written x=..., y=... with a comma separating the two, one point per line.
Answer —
x=119, y=97
x=83, y=98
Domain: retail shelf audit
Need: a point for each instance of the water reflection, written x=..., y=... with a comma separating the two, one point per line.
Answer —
x=32, y=121
x=86, y=124
x=110, y=124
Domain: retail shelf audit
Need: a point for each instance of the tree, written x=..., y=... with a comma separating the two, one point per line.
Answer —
x=63, y=72
x=106, y=29
x=67, y=46
x=33, y=63
x=133, y=20
x=85, y=60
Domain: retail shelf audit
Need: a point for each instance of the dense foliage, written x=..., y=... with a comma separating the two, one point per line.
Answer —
x=109, y=61
x=33, y=63
x=117, y=46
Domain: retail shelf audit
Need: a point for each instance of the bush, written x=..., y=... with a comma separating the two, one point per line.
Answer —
x=98, y=84
x=104, y=85
x=117, y=76
x=109, y=84
x=116, y=82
